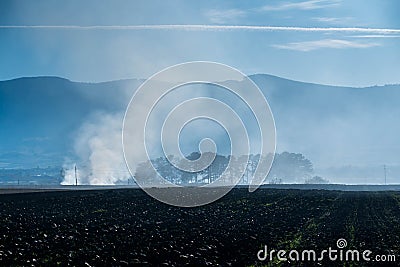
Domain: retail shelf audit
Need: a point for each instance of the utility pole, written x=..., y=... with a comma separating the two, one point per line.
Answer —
x=76, y=177
x=384, y=169
x=62, y=174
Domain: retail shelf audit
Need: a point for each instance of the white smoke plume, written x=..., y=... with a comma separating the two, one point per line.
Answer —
x=98, y=147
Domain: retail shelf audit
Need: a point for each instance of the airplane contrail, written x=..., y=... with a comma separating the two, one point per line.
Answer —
x=199, y=27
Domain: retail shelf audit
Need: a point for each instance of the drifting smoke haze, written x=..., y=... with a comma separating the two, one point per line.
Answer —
x=348, y=141
x=98, y=145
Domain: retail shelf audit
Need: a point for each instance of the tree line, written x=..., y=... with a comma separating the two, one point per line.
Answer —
x=286, y=168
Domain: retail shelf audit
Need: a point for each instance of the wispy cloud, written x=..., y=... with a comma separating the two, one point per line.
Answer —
x=374, y=36
x=198, y=27
x=333, y=20
x=325, y=43
x=224, y=16
x=304, y=5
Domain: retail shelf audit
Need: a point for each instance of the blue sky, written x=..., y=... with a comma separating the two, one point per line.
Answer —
x=354, y=58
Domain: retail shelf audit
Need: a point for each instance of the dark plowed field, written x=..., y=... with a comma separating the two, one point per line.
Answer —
x=126, y=227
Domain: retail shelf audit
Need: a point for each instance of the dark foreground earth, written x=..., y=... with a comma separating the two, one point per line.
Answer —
x=124, y=227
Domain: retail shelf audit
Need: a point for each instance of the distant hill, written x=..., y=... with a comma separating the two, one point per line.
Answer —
x=38, y=116
x=333, y=126
x=336, y=126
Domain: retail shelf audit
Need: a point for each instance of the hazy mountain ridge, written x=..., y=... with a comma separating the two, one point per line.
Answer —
x=331, y=125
